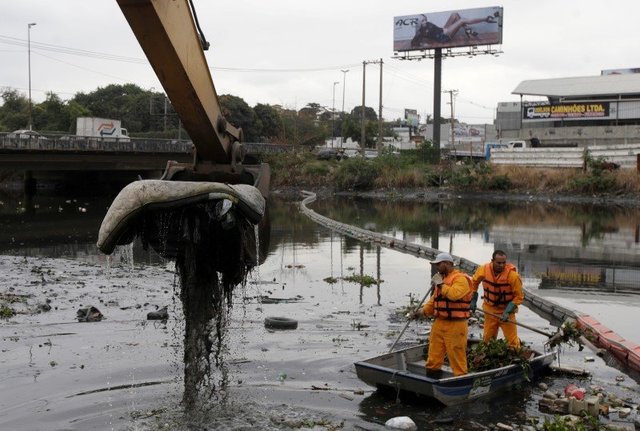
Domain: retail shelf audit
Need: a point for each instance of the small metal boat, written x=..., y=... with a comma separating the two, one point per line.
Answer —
x=404, y=370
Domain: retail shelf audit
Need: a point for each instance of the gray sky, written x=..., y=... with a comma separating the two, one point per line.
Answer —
x=291, y=52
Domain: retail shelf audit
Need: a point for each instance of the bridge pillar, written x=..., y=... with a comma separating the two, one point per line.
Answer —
x=30, y=183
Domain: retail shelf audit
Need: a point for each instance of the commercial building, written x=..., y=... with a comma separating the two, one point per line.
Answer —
x=588, y=110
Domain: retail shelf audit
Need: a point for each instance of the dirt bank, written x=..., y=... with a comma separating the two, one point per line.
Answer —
x=435, y=194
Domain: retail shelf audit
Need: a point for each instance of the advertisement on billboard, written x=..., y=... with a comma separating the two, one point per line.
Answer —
x=541, y=111
x=465, y=27
x=412, y=117
x=620, y=71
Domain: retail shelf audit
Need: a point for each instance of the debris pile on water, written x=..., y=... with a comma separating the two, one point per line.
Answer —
x=495, y=354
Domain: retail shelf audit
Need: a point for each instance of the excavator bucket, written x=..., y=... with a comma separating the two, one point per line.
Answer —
x=216, y=205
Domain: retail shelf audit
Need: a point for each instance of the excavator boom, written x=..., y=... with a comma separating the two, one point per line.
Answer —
x=169, y=38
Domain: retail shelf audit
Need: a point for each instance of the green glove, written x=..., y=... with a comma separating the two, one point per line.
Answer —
x=505, y=315
x=474, y=302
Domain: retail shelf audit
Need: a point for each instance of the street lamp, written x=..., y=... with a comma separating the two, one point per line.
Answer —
x=31, y=24
x=344, y=82
x=333, y=113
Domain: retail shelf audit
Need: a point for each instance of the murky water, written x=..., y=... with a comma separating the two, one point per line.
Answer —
x=127, y=373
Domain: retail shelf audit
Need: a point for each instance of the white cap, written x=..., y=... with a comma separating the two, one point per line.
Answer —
x=443, y=257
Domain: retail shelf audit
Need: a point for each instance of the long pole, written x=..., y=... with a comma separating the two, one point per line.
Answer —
x=531, y=328
x=333, y=114
x=408, y=322
x=31, y=24
x=344, y=83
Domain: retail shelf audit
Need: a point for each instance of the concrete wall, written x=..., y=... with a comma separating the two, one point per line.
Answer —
x=583, y=136
x=624, y=155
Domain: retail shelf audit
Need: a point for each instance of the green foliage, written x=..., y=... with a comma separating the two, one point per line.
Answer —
x=317, y=169
x=425, y=153
x=14, y=112
x=566, y=423
x=499, y=182
x=269, y=120
x=240, y=114
x=595, y=180
x=6, y=312
x=364, y=280
x=495, y=354
x=352, y=127
x=126, y=102
x=356, y=174
x=369, y=113
x=330, y=280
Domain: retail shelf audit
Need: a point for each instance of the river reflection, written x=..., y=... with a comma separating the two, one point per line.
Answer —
x=583, y=257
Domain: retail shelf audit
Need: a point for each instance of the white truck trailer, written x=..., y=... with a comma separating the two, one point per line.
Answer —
x=105, y=128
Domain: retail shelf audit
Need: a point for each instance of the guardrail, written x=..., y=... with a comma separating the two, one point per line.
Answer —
x=95, y=144
x=626, y=155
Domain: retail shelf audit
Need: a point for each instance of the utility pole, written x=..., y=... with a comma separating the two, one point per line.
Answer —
x=452, y=94
x=333, y=114
x=364, y=76
x=31, y=24
x=362, y=134
x=164, y=129
x=379, y=146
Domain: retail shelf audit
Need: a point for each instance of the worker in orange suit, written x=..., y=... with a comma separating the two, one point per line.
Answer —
x=502, y=294
x=450, y=304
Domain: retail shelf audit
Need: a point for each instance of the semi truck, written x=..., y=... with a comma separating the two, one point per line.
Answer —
x=105, y=128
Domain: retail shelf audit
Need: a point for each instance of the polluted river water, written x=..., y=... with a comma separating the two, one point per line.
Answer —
x=125, y=372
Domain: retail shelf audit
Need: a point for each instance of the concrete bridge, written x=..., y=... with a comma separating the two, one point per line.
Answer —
x=90, y=154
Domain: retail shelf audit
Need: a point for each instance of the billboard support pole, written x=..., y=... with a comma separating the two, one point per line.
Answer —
x=437, y=84
x=380, y=112
x=364, y=74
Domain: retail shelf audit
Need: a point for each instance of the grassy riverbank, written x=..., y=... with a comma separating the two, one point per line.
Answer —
x=413, y=169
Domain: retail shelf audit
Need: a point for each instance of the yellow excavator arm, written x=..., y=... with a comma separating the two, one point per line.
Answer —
x=217, y=204
x=167, y=33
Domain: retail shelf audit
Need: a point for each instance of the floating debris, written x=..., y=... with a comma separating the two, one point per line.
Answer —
x=495, y=354
x=365, y=280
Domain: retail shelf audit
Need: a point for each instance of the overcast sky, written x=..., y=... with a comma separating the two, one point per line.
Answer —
x=291, y=52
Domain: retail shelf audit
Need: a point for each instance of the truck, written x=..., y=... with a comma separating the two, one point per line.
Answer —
x=105, y=128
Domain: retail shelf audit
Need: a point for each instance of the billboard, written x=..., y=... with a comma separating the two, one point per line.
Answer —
x=465, y=27
x=412, y=117
x=620, y=71
x=533, y=111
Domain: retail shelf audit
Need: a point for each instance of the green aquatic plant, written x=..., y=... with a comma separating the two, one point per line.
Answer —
x=7, y=312
x=497, y=353
x=365, y=280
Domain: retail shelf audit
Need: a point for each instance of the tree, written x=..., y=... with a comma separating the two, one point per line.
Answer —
x=52, y=114
x=311, y=110
x=127, y=102
x=14, y=112
x=270, y=120
x=240, y=114
x=369, y=113
x=352, y=128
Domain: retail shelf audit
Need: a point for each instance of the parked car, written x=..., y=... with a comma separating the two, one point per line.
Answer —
x=331, y=154
x=24, y=134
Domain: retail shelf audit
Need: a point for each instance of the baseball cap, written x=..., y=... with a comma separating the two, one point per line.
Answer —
x=442, y=257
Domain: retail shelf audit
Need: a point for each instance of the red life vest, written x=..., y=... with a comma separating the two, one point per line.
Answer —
x=454, y=310
x=497, y=290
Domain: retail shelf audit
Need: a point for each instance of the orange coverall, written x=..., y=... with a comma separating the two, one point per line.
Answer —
x=449, y=335
x=491, y=324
